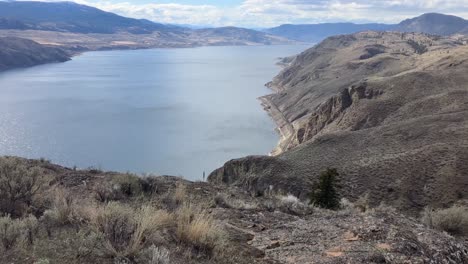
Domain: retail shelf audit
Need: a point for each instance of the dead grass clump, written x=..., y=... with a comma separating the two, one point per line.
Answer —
x=453, y=220
x=290, y=204
x=180, y=193
x=362, y=203
x=15, y=231
x=198, y=229
x=18, y=186
x=64, y=211
x=124, y=231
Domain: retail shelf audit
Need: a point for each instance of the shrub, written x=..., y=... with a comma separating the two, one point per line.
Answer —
x=290, y=204
x=325, y=194
x=30, y=228
x=362, y=203
x=124, y=231
x=14, y=230
x=10, y=232
x=197, y=229
x=453, y=220
x=18, y=186
x=64, y=211
x=104, y=193
x=128, y=184
x=149, y=185
x=418, y=48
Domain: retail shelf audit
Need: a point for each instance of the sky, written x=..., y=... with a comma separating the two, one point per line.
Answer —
x=270, y=13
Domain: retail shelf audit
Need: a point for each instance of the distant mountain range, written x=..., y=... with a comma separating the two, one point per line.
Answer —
x=318, y=32
x=72, y=17
x=431, y=23
x=79, y=28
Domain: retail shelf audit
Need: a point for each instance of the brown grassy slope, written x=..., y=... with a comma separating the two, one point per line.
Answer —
x=170, y=220
x=393, y=121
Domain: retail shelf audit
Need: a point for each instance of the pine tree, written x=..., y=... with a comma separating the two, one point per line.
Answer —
x=325, y=193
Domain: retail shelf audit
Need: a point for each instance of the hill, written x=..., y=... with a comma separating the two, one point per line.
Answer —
x=432, y=23
x=71, y=17
x=316, y=32
x=388, y=110
x=235, y=35
x=79, y=28
x=17, y=52
x=63, y=215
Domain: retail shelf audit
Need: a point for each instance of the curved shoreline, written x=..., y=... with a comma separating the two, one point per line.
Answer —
x=283, y=127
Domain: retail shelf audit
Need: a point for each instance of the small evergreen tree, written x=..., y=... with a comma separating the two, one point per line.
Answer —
x=325, y=193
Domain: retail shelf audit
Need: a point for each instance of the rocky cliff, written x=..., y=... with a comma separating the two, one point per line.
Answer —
x=389, y=110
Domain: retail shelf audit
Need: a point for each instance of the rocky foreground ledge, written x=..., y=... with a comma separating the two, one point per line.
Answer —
x=91, y=216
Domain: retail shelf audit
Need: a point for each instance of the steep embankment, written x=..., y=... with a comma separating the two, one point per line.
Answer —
x=17, y=52
x=389, y=110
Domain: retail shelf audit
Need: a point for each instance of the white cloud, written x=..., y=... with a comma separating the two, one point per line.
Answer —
x=267, y=13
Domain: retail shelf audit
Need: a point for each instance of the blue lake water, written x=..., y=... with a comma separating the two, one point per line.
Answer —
x=163, y=111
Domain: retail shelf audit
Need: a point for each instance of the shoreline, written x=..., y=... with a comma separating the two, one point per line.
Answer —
x=283, y=127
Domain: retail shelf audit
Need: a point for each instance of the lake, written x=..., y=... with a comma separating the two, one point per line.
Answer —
x=162, y=111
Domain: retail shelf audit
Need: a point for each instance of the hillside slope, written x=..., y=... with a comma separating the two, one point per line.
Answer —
x=431, y=23
x=71, y=17
x=91, y=216
x=17, y=52
x=388, y=110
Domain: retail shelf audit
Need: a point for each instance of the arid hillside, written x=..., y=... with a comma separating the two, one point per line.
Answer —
x=17, y=52
x=53, y=214
x=388, y=110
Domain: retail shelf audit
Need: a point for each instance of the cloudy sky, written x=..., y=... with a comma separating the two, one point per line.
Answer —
x=268, y=13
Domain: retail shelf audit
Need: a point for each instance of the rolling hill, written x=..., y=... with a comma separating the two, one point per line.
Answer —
x=71, y=17
x=17, y=52
x=432, y=23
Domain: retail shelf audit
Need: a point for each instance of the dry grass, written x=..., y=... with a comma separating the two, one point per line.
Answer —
x=198, y=229
x=362, y=203
x=63, y=206
x=180, y=193
x=156, y=255
x=453, y=220
x=124, y=231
